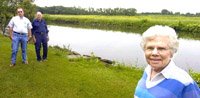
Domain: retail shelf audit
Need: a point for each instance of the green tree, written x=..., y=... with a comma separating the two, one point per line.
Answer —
x=8, y=10
x=166, y=12
x=131, y=11
x=5, y=12
x=177, y=13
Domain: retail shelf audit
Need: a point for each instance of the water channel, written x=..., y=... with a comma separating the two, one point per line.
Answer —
x=119, y=46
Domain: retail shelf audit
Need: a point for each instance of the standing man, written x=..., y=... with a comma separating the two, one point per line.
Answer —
x=20, y=32
x=40, y=36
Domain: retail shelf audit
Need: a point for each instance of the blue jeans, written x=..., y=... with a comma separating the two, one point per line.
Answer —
x=17, y=38
x=41, y=39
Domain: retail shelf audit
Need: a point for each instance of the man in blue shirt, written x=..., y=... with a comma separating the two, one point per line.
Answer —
x=40, y=36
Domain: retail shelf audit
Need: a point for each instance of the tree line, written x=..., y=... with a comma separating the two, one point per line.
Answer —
x=89, y=11
x=105, y=11
x=166, y=12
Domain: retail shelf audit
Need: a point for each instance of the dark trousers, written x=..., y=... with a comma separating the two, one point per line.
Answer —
x=41, y=39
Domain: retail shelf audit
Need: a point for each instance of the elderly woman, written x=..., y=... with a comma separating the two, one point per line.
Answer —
x=162, y=78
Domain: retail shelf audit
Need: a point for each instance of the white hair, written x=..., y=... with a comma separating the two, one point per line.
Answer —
x=162, y=31
x=38, y=13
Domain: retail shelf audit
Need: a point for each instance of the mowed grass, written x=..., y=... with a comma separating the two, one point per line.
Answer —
x=60, y=77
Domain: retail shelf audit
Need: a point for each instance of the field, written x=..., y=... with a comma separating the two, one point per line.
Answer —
x=158, y=19
x=180, y=23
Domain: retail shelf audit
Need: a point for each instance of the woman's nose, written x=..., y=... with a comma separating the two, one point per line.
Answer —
x=155, y=51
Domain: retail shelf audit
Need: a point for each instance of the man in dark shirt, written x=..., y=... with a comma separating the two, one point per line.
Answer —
x=40, y=36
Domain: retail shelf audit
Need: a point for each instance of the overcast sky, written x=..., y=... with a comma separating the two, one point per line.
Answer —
x=183, y=6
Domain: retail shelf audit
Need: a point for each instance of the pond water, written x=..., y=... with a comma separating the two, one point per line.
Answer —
x=119, y=46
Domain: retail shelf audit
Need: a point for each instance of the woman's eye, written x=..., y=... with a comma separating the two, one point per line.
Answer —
x=150, y=48
x=161, y=49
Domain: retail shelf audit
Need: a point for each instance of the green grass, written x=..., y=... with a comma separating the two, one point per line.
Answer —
x=61, y=77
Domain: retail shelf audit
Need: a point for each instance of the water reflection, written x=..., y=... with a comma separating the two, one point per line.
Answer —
x=119, y=46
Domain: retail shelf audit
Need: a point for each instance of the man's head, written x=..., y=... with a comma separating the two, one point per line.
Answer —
x=20, y=12
x=39, y=15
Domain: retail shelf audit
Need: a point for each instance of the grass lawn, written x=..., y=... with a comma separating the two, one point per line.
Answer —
x=60, y=77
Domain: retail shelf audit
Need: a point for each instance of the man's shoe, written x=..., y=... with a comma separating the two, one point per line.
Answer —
x=25, y=62
x=11, y=65
x=45, y=60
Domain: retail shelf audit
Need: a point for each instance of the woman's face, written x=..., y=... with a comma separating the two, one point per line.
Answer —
x=157, y=52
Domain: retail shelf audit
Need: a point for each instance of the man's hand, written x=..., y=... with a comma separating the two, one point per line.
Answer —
x=29, y=38
x=11, y=37
x=34, y=39
x=47, y=38
x=10, y=32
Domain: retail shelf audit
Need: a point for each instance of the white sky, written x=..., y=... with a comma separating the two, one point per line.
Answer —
x=183, y=6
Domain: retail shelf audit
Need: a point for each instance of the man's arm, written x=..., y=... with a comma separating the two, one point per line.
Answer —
x=10, y=32
x=33, y=31
x=29, y=34
x=34, y=39
x=47, y=31
x=11, y=25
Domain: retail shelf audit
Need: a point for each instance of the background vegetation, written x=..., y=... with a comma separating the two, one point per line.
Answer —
x=8, y=9
x=104, y=11
x=141, y=21
x=89, y=11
